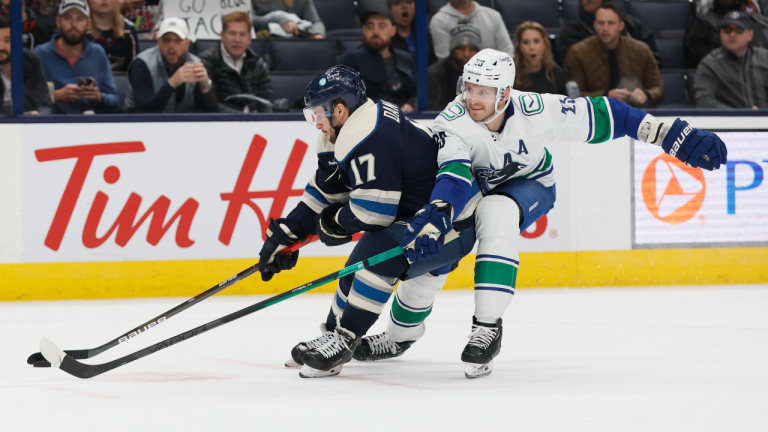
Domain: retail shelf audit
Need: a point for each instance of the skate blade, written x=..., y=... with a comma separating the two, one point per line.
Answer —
x=291, y=363
x=473, y=370
x=309, y=372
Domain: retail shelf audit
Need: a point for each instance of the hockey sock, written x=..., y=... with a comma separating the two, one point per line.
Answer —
x=497, y=228
x=412, y=305
x=365, y=299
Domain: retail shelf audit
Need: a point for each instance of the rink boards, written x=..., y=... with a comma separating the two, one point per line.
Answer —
x=111, y=210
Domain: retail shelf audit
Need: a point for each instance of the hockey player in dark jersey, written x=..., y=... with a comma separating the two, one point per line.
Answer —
x=376, y=169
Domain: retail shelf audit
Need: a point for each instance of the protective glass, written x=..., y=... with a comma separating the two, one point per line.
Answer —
x=483, y=94
x=318, y=113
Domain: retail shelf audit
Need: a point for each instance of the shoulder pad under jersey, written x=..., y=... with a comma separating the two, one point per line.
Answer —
x=360, y=125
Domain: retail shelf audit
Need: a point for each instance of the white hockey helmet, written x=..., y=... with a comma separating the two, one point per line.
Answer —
x=489, y=68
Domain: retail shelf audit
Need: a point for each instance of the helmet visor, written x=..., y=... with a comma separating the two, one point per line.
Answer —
x=317, y=114
x=478, y=93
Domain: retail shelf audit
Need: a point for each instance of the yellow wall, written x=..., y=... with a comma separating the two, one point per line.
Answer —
x=52, y=281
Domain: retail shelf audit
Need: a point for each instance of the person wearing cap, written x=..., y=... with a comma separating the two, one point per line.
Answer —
x=736, y=74
x=404, y=12
x=492, y=29
x=702, y=35
x=79, y=69
x=443, y=75
x=388, y=73
x=168, y=78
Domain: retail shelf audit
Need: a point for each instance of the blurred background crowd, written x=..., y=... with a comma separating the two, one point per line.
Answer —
x=125, y=56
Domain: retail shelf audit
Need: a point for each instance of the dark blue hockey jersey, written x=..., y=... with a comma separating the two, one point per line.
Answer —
x=382, y=166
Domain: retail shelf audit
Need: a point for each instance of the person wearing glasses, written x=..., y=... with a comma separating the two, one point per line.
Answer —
x=736, y=74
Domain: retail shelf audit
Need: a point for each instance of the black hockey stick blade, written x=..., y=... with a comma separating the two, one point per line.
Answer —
x=38, y=359
x=65, y=362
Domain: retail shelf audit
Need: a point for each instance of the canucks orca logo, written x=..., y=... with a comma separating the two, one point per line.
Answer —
x=490, y=177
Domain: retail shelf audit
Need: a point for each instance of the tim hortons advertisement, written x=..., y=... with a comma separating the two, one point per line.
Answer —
x=677, y=204
x=168, y=191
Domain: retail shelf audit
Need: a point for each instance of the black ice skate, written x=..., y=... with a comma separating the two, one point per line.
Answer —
x=328, y=358
x=484, y=344
x=300, y=349
x=380, y=347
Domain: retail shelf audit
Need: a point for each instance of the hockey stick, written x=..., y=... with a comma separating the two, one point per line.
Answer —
x=38, y=360
x=60, y=359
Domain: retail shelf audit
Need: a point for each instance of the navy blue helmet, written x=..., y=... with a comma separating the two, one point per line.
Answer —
x=338, y=82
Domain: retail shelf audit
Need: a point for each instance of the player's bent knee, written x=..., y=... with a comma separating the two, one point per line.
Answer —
x=498, y=217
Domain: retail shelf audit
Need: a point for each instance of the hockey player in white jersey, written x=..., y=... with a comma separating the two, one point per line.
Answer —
x=498, y=136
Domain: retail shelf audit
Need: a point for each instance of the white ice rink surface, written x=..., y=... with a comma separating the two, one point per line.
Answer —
x=644, y=359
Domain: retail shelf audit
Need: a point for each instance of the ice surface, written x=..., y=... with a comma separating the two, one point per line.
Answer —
x=641, y=359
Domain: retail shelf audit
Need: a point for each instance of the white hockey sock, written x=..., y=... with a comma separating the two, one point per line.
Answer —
x=412, y=304
x=497, y=227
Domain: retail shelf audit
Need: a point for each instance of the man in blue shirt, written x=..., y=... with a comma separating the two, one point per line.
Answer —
x=78, y=68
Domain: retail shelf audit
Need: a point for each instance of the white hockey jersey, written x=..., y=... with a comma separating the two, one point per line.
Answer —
x=468, y=150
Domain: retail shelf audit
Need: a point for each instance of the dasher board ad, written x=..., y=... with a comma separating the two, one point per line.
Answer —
x=676, y=204
x=175, y=191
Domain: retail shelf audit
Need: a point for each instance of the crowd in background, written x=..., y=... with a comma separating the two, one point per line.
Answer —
x=73, y=49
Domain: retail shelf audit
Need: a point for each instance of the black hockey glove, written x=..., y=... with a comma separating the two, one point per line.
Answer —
x=271, y=261
x=329, y=231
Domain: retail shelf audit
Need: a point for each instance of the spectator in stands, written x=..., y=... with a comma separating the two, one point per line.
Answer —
x=443, y=75
x=294, y=17
x=404, y=12
x=78, y=68
x=577, y=30
x=703, y=35
x=736, y=74
x=37, y=99
x=35, y=31
x=388, y=73
x=236, y=70
x=492, y=29
x=168, y=78
x=609, y=64
x=536, y=71
x=114, y=33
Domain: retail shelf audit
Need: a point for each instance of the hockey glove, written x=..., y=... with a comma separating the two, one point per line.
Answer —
x=278, y=238
x=425, y=236
x=695, y=147
x=329, y=231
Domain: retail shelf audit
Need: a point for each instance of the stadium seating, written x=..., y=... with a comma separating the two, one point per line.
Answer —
x=363, y=5
x=571, y=8
x=302, y=55
x=666, y=19
x=691, y=81
x=147, y=44
x=337, y=15
x=434, y=5
x=671, y=51
x=123, y=86
x=676, y=89
x=348, y=44
x=514, y=12
x=204, y=45
x=291, y=85
x=259, y=46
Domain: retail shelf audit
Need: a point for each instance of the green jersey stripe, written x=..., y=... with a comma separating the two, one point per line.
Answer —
x=545, y=166
x=491, y=272
x=405, y=316
x=457, y=168
x=603, y=125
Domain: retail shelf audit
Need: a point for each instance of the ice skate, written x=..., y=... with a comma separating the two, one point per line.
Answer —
x=328, y=358
x=380, y=347
x=300, y=349
x=484, y=344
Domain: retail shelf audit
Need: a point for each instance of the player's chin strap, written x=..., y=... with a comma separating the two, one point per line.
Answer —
x=496, y=106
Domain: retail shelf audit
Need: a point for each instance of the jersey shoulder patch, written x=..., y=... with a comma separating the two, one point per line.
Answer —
x=360, y=125
x=453, y=111
x=531, y=104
